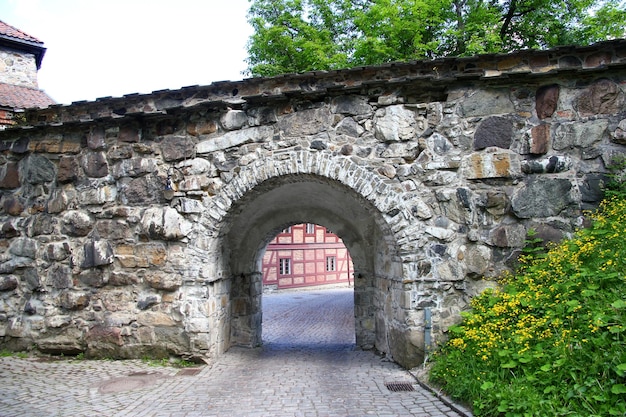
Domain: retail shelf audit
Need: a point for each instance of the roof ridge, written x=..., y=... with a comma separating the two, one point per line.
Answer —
x=13, y=32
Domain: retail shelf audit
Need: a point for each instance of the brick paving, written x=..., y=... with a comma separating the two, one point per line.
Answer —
x=307, y=367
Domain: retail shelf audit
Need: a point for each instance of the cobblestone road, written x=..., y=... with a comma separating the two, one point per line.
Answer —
x=307, y=367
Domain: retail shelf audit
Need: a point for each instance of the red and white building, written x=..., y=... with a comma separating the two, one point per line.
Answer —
x=305, y=255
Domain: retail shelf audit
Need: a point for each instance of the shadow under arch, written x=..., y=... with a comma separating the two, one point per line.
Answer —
x=281, y=201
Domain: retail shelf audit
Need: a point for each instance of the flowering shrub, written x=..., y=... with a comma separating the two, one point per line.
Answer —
x=552, y=340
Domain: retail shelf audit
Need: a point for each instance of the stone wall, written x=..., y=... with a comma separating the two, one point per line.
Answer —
x=431, y=172
x=18, y=68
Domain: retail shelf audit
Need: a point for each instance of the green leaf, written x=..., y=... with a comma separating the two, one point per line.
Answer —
x=546, y=367
x=549, y=389
x=619, y=304
x=508, y=365
x=456, y=329
x=618, y=389
x=487, y=385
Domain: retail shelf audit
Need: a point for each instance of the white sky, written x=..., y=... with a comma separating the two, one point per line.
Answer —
x=100, y=48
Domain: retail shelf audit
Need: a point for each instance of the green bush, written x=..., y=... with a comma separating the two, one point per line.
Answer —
x=551, y=340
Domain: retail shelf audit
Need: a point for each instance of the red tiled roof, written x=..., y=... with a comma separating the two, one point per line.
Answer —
x=10, y=31
x=18, y=97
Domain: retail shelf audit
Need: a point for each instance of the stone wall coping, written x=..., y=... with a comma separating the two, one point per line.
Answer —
x=431, y=76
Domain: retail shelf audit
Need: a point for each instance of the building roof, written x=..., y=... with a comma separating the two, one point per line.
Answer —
x=18, y=97
x=14, y=38
x=12, y=32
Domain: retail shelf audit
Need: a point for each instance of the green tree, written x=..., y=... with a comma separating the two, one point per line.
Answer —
x=304, y=35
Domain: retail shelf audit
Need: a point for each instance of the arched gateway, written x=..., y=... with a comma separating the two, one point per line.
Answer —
x=312, y=187
x=135, y=226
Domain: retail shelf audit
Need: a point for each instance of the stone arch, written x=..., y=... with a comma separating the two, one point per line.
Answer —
x=357, y=204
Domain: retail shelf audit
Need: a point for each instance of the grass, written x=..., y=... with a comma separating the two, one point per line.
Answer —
x=551, y=341
x=173, y=362
x=6, y=353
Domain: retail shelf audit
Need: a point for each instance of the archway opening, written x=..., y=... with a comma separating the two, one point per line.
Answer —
x=279, y=202
x=308, y=296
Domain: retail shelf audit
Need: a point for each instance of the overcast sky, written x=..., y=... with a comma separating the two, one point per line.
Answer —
x=100, y=48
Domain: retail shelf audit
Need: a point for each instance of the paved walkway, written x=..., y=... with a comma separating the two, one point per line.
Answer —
x=307, y=367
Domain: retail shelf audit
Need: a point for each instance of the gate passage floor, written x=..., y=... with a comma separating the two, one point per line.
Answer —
x=307, y=367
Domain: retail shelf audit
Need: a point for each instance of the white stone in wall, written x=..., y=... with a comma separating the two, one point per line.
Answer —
x=440, y=233
x=175, y=226
x=397, y=124
x=235, y=138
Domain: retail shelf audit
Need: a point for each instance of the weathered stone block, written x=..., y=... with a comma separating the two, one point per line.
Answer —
x=234, y=119
x=547, y=165
x=97, y=196
x=201, y=127
x=134, y=167
x=95, y=138
x=602, y=97
x=101, y=339
x=57, y=251
x=349, y=127
x=154, y=319
x=398, y=124
x=129, y=134
x=143, y=190
x=351, y=105
x=73, y=300
x=579, y=135
x=58, y=321
x=94, y=278
x=619, y=135
x=542, y=197
x=38, y=169
x=491, y=164
x=9, y=175
x=77, y=223
x=114, y=230
x=510, y=235
x=546, y=100
x=163, y=281
x=494, y=131
x=24, y=247
x=95, y=164
x=235, y=138
x=8, y=282
x=175, y=148
x=147, y=301
x=123, y=278
x=59, y=276
x=486, y=102
x=67, y=343
x=97, y=253
x=540, y=139
x=12, y=205
x=68, y=170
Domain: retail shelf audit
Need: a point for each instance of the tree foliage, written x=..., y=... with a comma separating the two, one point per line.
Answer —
x=305, y=35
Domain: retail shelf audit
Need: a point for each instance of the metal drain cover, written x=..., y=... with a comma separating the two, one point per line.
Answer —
x=399, y=386
x=129, y=383
x=188, y=372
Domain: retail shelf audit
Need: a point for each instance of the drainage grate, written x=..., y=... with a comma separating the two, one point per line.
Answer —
x=399, y=386
x=188, y=372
